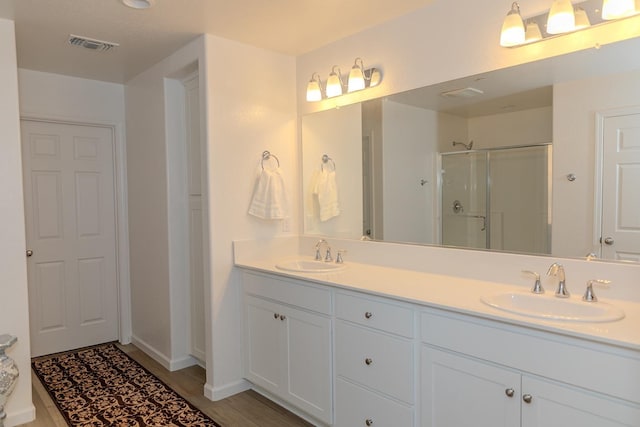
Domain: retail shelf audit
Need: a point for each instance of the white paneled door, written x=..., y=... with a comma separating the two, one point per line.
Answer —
x=621, y=181
x=71, y=235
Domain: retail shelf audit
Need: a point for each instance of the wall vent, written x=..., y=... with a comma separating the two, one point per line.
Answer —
x=92, y=44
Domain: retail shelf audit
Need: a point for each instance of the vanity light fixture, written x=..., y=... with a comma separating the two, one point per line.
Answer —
x=334, y=83
x=359, y=79
x=513, y=32
x=314, y=88
x=562, y=18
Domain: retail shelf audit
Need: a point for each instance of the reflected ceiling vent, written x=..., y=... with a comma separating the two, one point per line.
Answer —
x=466, y=92
x=91, y=44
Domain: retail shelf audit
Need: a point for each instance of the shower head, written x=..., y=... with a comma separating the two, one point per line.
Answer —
x=467, y=146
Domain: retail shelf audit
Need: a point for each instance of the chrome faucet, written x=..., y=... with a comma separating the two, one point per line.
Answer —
x=558, y=271
x=319, y=245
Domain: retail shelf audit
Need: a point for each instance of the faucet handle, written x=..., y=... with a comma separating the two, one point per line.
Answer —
x=589, y=295
x=537, y=286
x=339, y=258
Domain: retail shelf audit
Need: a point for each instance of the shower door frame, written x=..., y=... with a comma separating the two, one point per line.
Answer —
x=487, y=212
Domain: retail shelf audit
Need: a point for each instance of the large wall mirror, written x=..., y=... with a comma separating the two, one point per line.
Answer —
x=537, y=158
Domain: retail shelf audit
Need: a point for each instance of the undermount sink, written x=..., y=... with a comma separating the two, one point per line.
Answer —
x=550, y=307
x=309, y=266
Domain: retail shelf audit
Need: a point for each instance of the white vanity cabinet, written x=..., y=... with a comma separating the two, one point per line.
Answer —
x=287, y=337
x=476, y=373
x=375, y=362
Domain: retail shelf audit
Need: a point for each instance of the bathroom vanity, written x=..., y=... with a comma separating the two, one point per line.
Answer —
x=375, y=345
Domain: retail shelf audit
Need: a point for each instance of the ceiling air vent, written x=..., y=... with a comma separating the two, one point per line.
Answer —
x=92, y=44
x=466, y=92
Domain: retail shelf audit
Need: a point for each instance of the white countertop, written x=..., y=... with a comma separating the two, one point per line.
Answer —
x=461, y=295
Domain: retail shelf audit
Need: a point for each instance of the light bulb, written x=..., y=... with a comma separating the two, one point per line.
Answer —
x=613, y=9
x=512, y=33
x=334, y=84
x=561, y=17
x=582, y=20
x=532, y=34
x=356, y=77
x=314, y=93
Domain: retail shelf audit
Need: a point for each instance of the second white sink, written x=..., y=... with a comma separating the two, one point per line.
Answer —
x=309, y=266
x=550, y=307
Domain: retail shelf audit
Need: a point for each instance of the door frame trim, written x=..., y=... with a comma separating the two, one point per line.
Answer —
x=600, y=118
x=121, y=217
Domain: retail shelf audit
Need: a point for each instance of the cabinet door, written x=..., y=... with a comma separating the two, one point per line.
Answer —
x=264, y=345
x=308, y=353
x=461, y=392
x=557, y=405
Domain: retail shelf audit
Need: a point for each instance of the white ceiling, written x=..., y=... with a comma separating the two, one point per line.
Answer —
x=147, y=36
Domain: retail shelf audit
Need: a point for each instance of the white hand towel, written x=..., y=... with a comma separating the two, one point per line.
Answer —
x=327, y=191
x=269, y=200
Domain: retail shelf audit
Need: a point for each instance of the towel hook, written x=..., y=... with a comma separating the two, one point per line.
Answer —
x=266, y=155
x=326, y=159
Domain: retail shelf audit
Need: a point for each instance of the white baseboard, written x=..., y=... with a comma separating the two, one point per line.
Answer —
x=287, y=406
x=22, y=417
x=158, y=356
x=219, y=393
x=183, y=362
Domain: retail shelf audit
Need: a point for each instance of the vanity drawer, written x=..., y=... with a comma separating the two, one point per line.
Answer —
x=377, y=360
x=288, y=292
x=356, y=406
x=375, y=313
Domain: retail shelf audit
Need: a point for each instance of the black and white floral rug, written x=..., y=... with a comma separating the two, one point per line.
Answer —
x=103, y=386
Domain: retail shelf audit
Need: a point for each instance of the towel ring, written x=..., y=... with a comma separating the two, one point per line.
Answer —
x=266, y=155
x=326, y=159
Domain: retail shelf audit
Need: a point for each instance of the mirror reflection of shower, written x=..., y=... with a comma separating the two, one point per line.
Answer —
x=506, y=197
x=466, y=146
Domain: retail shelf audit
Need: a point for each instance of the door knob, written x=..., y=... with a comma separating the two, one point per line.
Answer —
x=29, y=252
x=608, y=241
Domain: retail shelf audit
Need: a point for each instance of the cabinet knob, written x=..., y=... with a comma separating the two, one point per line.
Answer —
x=368, y=361
x=283, y=317
x=368, y=315
x=527, y=398
x=510, y=392
x=276, y=315
x=368, y=422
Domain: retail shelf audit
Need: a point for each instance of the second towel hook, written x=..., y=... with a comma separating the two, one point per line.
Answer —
x=266, y=155
x=326, y=159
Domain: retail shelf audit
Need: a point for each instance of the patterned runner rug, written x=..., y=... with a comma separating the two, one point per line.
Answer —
x=103, y=386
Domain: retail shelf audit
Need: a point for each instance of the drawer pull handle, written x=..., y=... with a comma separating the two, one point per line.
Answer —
x=368, y=315
x=368, y=361
x=276, y=315
x=510, y=392
x=527, y=398
x=283, y=317
x=368, y=422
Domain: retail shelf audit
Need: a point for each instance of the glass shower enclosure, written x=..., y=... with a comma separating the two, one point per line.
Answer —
x=497, y=199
